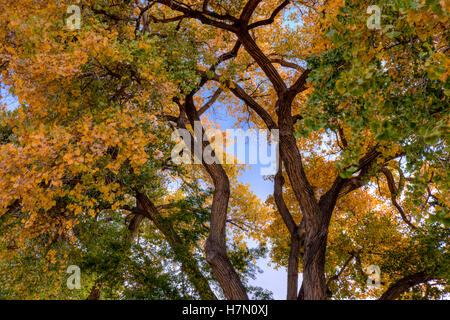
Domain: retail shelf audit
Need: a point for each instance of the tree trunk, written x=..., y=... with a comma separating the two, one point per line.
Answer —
x=314, y=286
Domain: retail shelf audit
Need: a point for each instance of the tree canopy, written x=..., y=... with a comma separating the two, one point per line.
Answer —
x=86, y=170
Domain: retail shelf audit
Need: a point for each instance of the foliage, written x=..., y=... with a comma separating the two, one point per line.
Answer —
x=92, y=133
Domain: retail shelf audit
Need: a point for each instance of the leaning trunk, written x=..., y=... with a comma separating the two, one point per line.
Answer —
x=216, y=252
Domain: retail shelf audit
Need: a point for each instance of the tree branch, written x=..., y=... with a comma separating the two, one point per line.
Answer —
x=272, y=17
x=394, y=193
x=199, y=15
x=247, y=99
x=404, y=284
x=287, y=64
x=336, y=276
x=299, y=85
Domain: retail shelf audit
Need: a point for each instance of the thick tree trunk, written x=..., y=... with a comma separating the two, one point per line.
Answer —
x=314, y=285
x=404, y=284
x=216, y=252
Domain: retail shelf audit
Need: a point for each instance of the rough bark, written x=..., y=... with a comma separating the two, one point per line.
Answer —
x=394, y=194
x=146, y=209
x=95, y=292
x=216, y=253
x=294, y=252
